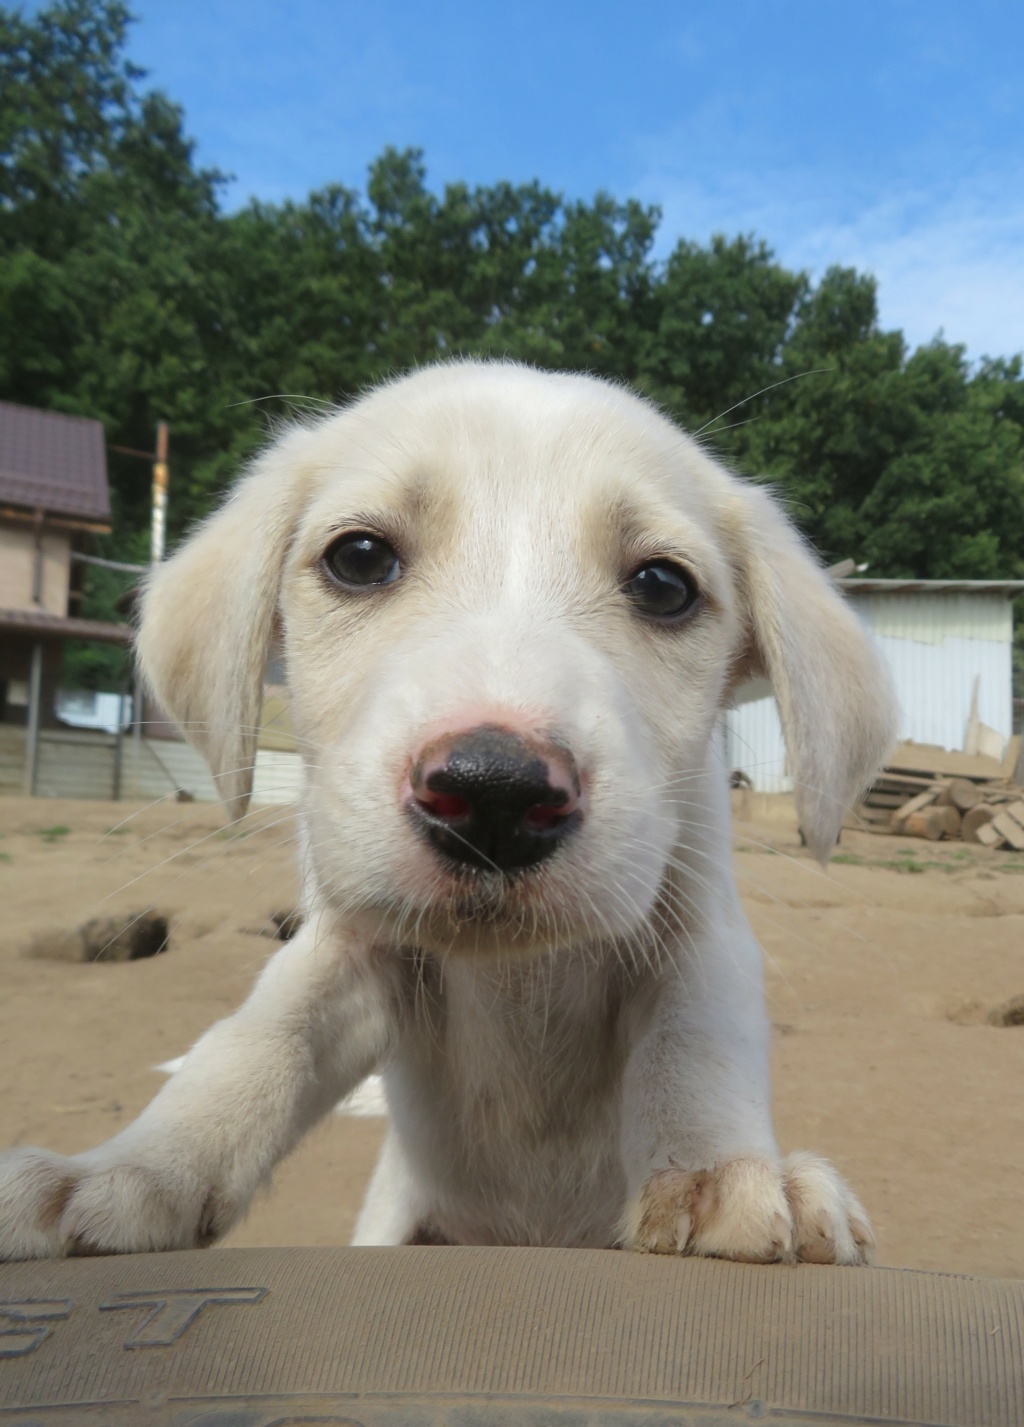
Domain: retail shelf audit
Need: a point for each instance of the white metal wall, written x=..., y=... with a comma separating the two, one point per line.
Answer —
x=278, y=777
x=753, y=743
x=166, y=766
x=936, y=645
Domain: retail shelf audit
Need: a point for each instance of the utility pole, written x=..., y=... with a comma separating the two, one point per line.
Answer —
x=35, y=687
x=158, y=527
x=157, y=542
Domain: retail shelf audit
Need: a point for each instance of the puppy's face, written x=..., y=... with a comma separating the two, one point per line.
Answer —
x=512, y=605
x=508, y=623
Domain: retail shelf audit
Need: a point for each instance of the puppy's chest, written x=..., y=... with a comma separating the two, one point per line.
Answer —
x=535, y=1051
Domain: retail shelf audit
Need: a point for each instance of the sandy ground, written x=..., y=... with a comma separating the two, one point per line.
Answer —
x=880, y=974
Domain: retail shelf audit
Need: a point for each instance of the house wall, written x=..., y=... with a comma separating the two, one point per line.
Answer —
x=936, y=645
x=17, y=563
x=75, y=763
x=15, y=671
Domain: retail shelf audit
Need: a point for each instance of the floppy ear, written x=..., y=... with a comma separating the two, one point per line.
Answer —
x=208, y=615
x=833, y=690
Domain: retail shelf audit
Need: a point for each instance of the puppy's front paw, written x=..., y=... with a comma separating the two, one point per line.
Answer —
x=51, y=1205
x=754, y=1210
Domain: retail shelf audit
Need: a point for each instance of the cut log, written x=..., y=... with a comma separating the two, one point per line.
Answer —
x=856, y=822
x=988, y=836
x=879, y=817
x=932, y=823
x=961, y=793
x=977, y=817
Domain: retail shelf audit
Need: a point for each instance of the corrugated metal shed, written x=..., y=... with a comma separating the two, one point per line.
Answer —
x=858, y=586
x=939, y=639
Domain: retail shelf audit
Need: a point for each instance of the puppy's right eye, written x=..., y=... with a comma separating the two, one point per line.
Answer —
x=362, y=560
x=663, y=590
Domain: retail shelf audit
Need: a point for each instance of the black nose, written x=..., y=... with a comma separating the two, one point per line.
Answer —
x=488, y=798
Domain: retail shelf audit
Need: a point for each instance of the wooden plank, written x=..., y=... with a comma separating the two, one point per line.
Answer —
x=878, y=799
x=978, y=816
x=989, y=836
x=889, y=779
x=1011, y=757
x=923, y=800
x=1010, y=829
x=926, y=758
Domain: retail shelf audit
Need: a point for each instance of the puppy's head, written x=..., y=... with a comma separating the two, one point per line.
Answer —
x=512, y=606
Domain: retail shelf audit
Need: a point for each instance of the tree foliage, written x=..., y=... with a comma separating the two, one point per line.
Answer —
x=128, y=293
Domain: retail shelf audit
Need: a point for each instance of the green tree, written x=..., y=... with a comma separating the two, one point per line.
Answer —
x=68, y=96
x=907, y=461
x=723, y=315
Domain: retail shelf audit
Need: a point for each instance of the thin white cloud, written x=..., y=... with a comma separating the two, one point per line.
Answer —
x=950, y=261
x=957, y=268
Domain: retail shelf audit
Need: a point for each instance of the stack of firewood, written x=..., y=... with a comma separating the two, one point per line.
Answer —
x=957, y=807
x=928, y=792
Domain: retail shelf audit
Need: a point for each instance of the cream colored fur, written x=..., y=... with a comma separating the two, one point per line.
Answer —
x=576, y=1056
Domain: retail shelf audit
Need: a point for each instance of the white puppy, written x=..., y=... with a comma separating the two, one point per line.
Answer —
x=513, y=606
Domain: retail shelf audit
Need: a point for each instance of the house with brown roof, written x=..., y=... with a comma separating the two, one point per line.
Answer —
x=53, y=488
x=53, y=496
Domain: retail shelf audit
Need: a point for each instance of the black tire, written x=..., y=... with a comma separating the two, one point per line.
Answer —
x=420, y=1337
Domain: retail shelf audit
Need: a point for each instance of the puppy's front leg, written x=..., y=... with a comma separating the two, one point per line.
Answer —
x=704, y=1171
x=318, y=1020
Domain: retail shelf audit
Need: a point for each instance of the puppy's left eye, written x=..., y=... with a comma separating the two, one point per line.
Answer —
x=662, y=590
x=361, y=560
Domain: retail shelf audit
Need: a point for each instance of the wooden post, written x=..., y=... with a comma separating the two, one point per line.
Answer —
x=35, y=690
x=157, y=542
x=138, y=708
x=122, y=695
x=37, y=558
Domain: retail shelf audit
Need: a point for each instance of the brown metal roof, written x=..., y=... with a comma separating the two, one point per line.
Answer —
x=53, y=462
x=55, y=626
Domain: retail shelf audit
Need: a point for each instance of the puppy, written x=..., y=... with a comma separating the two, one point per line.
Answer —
x=513, y=607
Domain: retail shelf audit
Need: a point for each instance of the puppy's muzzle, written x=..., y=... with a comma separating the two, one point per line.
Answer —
x=492, y=799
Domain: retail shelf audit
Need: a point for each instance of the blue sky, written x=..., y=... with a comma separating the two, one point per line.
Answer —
x=884, y=134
